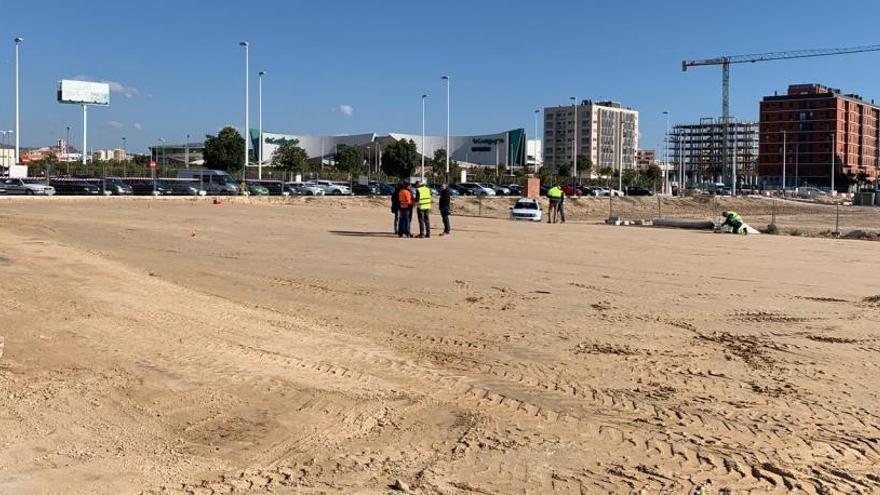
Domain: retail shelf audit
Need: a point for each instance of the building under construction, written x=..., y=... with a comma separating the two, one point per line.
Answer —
x=697, y=155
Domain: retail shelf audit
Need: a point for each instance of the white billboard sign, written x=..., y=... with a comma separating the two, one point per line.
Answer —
x=83, y=92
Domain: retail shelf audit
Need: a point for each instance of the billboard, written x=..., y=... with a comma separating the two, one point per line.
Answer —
x=83, y=92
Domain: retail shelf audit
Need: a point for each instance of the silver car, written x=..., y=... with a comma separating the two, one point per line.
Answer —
x=18, y=186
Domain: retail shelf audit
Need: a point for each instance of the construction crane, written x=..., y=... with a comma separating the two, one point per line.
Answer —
x=726, y=61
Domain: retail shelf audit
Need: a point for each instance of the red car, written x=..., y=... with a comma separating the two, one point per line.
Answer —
x=571, y=190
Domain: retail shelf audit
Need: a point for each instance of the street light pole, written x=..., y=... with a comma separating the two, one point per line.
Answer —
x=186, y=151
x=17, y=123
x=448, y=83
x=67, y=151
x=260, y=149
x=535, y=149
x=424, y=97
x=574, y=148
x=666, y=156
x=247, y=109
x=124, y=156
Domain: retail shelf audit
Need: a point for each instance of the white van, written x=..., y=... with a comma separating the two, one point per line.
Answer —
x=212, y=181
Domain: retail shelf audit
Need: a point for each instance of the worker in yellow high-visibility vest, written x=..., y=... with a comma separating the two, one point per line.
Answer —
x=423, y=208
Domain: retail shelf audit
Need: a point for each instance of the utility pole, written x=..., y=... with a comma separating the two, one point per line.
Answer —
x=260, y=149
x=833, y=157
x=186, y=151
x=666, y=156
x=784, y=155
x=574, y=147
x=247, y=110
x=535, y=149
x=424, y=97
x=448, y=83
x=17, y=157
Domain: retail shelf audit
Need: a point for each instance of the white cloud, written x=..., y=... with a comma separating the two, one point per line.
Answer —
x=138, y=126
x=115, y=86
x=346, y=110
x=116, y=124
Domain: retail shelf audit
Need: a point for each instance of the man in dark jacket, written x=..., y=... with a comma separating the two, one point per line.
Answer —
x=395, y=204
x=445, y=207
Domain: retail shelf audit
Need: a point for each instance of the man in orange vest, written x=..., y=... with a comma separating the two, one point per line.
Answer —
x=405, y=198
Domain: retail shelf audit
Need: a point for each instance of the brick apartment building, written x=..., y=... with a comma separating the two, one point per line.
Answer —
x=812, y=119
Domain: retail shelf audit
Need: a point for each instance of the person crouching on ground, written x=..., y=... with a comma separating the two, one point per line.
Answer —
x=405, y=201
x=733, y=220
x=423, y=205
x=445, y=208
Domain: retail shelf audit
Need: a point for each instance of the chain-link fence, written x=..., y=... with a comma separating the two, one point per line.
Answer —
x=788, y=216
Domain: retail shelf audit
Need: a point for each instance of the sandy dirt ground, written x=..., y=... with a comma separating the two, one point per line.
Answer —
x=185, y=347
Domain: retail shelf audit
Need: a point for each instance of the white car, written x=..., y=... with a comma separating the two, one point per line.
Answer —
x=304, y=189
x=18, y=186
x=477, y=189
x=335, y=189
x=604, y=191
x=526, y=209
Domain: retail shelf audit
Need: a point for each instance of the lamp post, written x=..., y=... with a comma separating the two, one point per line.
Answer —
x=448, y=83
x=247, y=109
x=424, y=97
x=260, y=149
x=162, y=142
x=124, y=156
x=67, y=151
x=186, y=151
x=17, y=108
x=574, y=151
x=535, y=150
x=666, y=156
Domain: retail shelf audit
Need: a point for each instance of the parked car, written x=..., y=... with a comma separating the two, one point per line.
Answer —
x=526, y=209
x=19, y=186
x=257, y=190
x=638, y=191
x=476, y=189
x=457, y=190
x=304, y=189
x=571, y=190
x=335, y=189
x=365, y=190
x=386, y=189
x=515, y=189
x=117, y=187
x=213, y=181
x=68, y=187
x=183, y=188
x=499, y=190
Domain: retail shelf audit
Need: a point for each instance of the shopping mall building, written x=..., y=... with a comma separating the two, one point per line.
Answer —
x=504, y=149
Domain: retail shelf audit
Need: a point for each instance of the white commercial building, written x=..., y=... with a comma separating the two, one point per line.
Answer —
x=607, y=134
x=503, y=149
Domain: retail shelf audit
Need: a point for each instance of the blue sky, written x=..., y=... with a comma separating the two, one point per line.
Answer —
x=179, y=69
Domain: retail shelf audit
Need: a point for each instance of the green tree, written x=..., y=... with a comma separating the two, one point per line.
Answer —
x=606, y=171
x=225, y=151
x=400, y=158
x=585, y=166
x=564, y=170
x=438, y=166
x=289, y=157
x=349, y=159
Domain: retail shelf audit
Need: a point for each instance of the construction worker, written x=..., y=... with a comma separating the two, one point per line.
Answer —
x=733, y=220
x=395, y=205
x=423, y=202
x=555, y=195
x=405, y=201
x=445, y=208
